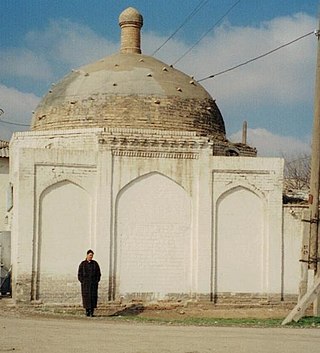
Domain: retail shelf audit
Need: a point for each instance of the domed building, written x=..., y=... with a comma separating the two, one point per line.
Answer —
x=129, y=156
x=134, y=91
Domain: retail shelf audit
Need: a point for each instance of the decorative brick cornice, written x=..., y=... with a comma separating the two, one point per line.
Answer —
x=155, y=154
x=150, y=142
x=131, y=139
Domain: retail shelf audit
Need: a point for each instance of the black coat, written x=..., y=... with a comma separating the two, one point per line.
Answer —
x=89, y=275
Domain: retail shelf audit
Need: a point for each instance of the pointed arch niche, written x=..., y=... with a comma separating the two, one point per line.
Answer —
x=64, y=236
x=239, y=242
x=153, y=233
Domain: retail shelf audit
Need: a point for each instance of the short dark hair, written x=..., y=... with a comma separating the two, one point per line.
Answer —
x=90, y=252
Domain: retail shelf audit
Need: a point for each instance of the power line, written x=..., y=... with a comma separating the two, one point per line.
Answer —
x=194, y=11
x=206, y=33
x=8, y=122
x=257, y=57
x=12, y=123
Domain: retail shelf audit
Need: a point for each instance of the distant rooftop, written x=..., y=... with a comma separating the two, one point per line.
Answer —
x=4, y=149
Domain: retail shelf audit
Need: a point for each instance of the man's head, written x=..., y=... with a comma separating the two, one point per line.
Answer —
x=90, y=254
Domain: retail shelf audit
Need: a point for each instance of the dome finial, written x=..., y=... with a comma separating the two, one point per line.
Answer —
x=130, y=22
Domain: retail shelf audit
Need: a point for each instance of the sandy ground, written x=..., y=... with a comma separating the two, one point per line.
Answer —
x=167, y=311
x=38, y=334
x=38, y=329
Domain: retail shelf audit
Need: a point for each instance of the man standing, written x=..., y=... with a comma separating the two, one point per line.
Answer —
x=89, y=275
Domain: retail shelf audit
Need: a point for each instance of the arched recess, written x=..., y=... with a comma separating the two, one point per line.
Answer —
x=153, y=235
x=239, y=242
x=64, y=236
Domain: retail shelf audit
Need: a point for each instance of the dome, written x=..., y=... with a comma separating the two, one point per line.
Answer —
x=129, y=90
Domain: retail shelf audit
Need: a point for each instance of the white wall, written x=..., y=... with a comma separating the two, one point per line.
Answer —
x=153, y=237
x=240, y=240
x=247, y=195
x=64, y=228
x=160, y=222
x=292, y=242
x=52, y=221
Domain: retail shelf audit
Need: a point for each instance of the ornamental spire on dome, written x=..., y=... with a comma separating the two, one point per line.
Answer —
x=130, y=21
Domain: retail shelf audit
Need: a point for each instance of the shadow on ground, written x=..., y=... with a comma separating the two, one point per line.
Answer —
x=134, y=309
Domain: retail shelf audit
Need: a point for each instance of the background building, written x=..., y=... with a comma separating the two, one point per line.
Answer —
x=5, y=241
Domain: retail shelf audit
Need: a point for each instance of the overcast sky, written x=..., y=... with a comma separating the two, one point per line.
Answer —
x=42, y=40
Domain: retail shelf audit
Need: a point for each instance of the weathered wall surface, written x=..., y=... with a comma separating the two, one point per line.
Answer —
x=153, y=236
x=247, y=199
x=240, y=242
x=166, y=221
x=292, y=242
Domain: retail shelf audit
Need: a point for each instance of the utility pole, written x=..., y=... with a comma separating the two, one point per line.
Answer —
x=314, y=182
x=311, y=242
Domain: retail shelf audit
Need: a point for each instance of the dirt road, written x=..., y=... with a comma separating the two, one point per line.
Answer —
x=95, y=335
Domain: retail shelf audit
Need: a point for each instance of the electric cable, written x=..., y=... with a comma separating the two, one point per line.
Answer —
x=257, y=57
x=214, y=75
x=208, y=31
x=12, y=123
x=8, y=122
x=194, y=11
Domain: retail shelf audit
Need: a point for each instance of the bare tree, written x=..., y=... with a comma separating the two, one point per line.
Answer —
x=297, y=173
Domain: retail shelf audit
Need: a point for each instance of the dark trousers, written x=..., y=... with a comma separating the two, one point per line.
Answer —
x=89, y=312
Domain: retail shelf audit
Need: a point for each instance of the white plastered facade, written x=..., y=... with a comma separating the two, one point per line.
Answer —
x=165, y=223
